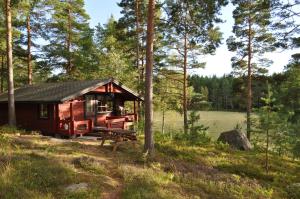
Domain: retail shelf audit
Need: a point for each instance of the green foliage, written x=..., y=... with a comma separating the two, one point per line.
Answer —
x=11, y=130
x=197, y=133
x=251, y=26
x=294, y=191
x=112, y=55
x=296, y=150
x=285, y=26
x=68, y=35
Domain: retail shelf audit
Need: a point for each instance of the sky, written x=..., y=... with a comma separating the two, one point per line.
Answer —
x=217, y=64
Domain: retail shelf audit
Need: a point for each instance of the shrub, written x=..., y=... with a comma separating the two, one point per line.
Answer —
x=296, y=150
x=11, y=130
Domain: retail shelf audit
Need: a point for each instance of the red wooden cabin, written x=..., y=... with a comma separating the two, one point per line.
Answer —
x=72, y=108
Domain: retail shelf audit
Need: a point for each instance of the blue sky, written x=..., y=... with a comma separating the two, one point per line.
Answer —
x=218, y=64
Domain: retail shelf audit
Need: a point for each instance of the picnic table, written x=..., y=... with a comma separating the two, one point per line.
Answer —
x=117, y=135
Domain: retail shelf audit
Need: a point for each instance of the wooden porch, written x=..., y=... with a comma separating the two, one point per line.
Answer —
x=116, y=123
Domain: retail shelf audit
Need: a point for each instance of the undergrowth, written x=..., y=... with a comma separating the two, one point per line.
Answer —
x=33, y=166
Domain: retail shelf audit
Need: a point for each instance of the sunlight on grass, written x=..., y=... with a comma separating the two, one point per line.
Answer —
x=217, y=121
x=42, y=167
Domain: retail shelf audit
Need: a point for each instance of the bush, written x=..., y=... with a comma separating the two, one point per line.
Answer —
x=296, y=150
x=197, y=134
x=294, y=191
x=11, y=130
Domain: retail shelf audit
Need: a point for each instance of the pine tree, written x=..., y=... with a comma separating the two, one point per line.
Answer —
x=191, y=33
x=134, y=23
x=11, y=97
x=286, y=22
x=2, y=48
x=251, y=40
x=67, y=30
x=267, y=124
x=166, y=94
x=113, y=60
x=149, y=141
x=32, y=19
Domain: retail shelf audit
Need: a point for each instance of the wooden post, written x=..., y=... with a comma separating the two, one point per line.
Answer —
x=138, y=111
x=134, y=109
x=71, y=111
x=56, y=117
x=72, y=126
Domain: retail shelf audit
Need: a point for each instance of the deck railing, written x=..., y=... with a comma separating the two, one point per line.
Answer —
x=72, y=127
x=122, y=122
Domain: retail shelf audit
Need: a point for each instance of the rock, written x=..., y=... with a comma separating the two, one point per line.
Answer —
x=77, y=187
x=235, y=139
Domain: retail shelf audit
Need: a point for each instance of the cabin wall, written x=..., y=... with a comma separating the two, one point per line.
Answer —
x=27, y=116
x=78, y=109
x=3, y=114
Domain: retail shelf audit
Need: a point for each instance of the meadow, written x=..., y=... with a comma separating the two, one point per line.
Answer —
x=217, y=121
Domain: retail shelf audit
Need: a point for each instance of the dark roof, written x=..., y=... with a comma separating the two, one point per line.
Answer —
x=61, y=91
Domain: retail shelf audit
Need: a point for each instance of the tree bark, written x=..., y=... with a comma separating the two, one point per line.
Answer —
x=137, y=22
x=149, y=141
x=249, y=77
x=2, y=75
x=29, y=66
x=163, y=122
x=267, y=147
x=69, y=43
x=11, y=96
x=139, y=68
x=185, y=112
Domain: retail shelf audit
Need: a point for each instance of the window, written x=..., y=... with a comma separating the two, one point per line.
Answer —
x=90, y=104
x=43, y=111
x=104, y=104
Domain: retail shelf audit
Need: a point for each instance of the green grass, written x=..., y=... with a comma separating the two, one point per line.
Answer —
x=33, y=166
x=217, y=121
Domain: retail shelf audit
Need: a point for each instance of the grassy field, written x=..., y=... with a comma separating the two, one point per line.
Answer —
x=34, y=167
x=217, y=121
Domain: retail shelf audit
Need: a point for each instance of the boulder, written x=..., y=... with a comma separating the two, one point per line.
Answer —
x=235, y=139
x=77, y=187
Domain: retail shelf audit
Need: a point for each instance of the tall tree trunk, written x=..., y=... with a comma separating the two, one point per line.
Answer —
x=69, y=43
x=2, y=75
x=185, y=112
x=267, y=147
x=163, y=122
x=29, y=66
x=139, y=68
x=149, y=141
x=11, y=96
x=137, y=23
x=249, y=84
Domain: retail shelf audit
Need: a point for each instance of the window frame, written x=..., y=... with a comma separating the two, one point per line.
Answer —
x=86, y=99
x=43, y=107
x=104, y=103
